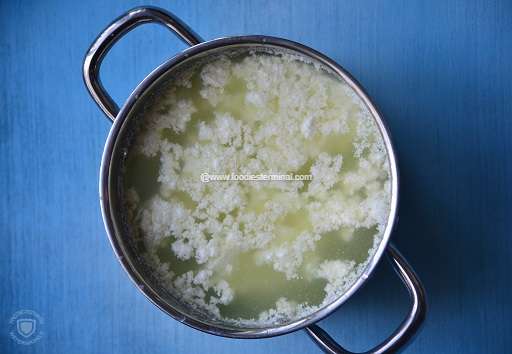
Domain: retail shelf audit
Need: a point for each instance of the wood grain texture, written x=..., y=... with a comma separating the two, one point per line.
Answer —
x=440, y=71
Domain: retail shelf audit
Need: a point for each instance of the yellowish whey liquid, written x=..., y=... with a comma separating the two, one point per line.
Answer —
x=258, y=252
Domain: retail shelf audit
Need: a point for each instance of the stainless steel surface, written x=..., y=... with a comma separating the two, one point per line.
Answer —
x=407, y=328
x=105, y=41
x=111, y=154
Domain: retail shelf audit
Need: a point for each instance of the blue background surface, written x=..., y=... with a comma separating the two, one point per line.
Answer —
x=440, y=71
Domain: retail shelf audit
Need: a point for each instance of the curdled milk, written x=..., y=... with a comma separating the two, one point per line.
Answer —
x=257, y=252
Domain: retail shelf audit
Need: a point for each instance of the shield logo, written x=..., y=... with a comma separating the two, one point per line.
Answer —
x=26, y=326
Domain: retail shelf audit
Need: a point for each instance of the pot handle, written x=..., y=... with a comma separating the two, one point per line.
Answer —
x=407, y=328
x=118, y=28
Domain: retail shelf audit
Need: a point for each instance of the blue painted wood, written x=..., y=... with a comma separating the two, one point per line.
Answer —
x=439, y=71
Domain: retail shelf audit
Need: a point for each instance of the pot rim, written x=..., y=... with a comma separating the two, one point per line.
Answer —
x=105, y=177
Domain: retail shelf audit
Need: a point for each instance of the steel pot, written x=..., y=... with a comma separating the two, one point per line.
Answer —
x=115, y=150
